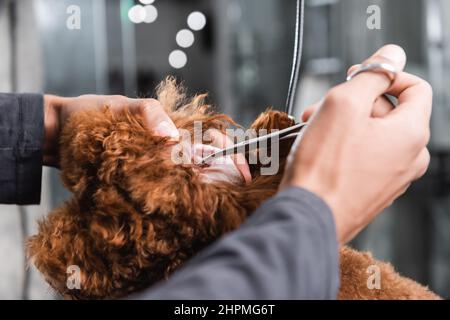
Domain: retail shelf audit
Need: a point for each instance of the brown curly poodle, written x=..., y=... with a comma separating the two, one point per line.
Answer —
x=136, y=216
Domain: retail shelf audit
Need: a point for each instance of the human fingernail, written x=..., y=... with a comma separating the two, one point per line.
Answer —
x=165, y=129
x=393, y=53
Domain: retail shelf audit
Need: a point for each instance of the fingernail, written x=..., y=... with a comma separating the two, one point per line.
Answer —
x=393, y=53
x=165, y=129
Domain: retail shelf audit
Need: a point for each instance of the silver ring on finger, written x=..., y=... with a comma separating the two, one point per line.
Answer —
x=385, y=68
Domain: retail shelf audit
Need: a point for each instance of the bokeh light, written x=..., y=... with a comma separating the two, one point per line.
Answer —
x=196, y=21
x=177, y=59
x=137, y=14
x=151, y=14
x=185, y=38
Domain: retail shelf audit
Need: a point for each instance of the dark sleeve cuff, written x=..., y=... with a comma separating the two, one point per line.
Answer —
x=21, y=141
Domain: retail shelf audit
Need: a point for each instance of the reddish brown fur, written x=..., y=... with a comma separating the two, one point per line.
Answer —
x=135, y=217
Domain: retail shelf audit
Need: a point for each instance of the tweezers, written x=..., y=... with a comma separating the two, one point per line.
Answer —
x=245, y=146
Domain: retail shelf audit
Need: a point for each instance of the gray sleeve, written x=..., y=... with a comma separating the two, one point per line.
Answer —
x=21, y=141
x=287, y=250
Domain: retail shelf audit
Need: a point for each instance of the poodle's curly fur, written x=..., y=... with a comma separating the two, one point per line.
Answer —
x=135, y=216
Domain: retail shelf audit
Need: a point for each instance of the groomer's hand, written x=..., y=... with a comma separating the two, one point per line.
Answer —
x=358, y=153
x=58, y=110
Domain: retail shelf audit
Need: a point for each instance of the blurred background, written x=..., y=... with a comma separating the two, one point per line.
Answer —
x=241, y=52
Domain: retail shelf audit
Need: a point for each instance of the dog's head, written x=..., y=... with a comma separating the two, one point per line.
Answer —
x=137, y=213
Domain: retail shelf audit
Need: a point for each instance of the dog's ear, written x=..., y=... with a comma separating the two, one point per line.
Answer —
x=88, y=246
x=59, y=246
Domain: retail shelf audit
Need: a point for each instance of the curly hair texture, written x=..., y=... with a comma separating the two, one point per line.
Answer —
x=135, y=216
